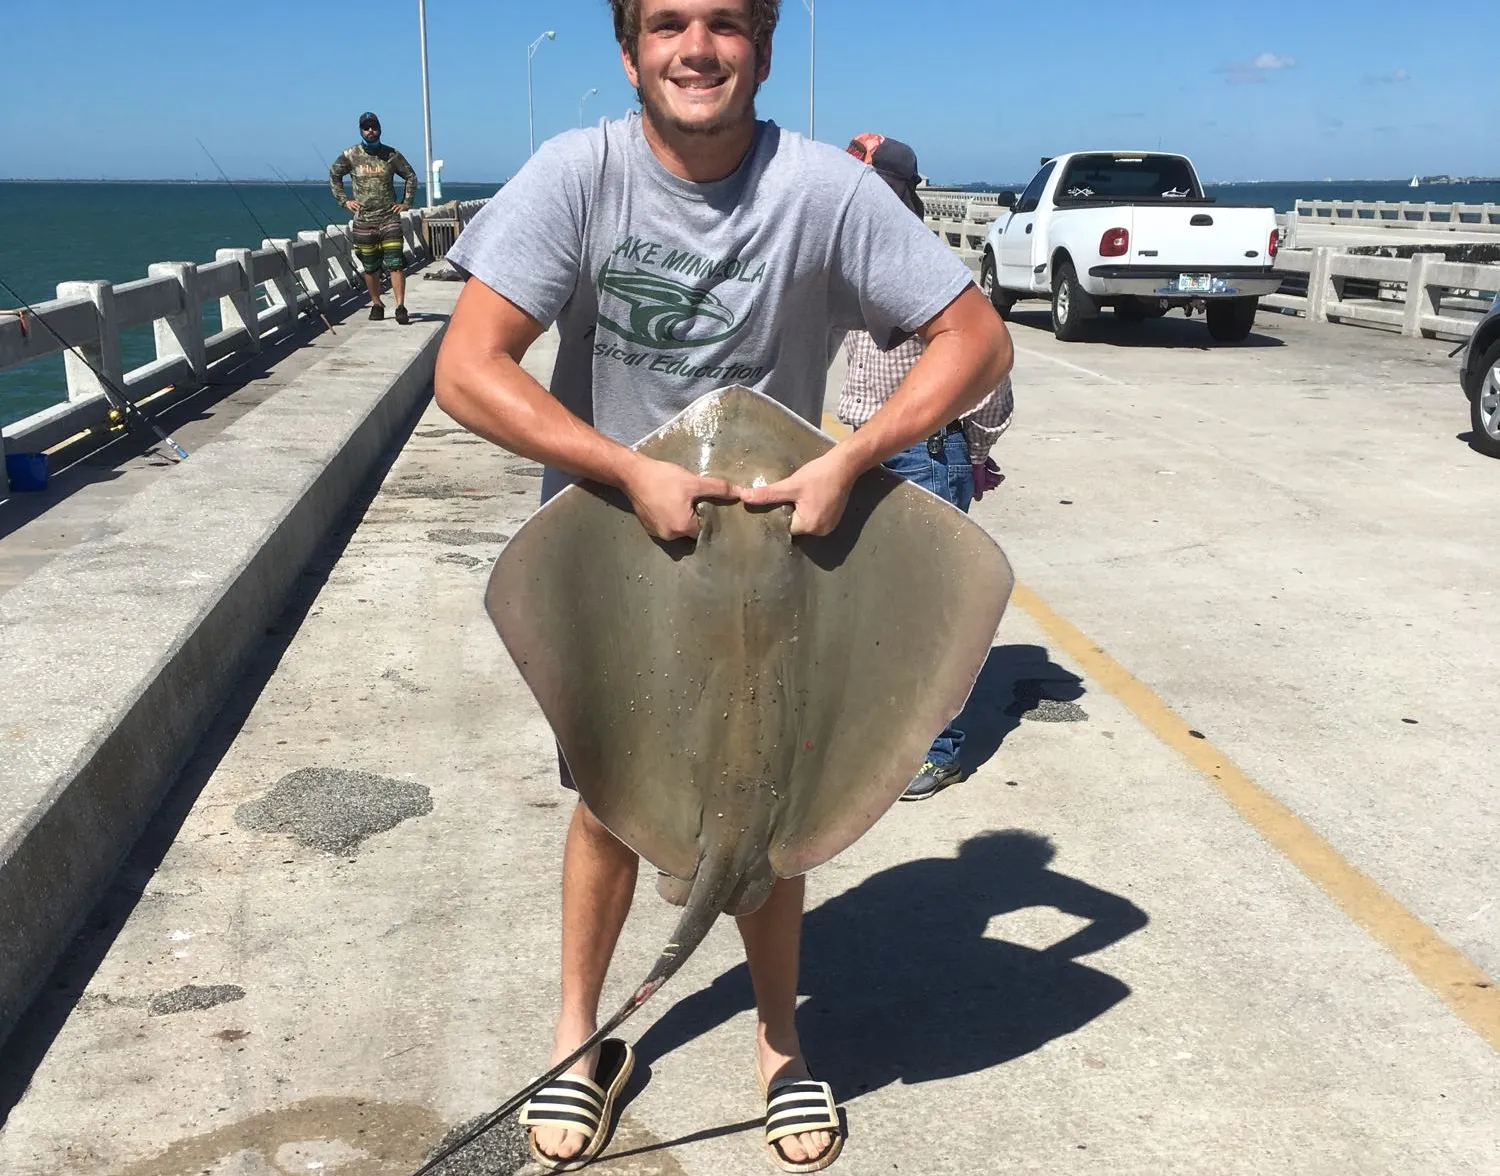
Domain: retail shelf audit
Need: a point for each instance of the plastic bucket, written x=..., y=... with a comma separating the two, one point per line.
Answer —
x=26, y=471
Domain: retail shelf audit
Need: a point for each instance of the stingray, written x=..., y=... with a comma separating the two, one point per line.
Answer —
x=742, y=707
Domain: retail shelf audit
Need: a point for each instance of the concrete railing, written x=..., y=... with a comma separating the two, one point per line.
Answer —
x=952, y=205
x=1468, y=218
x=260, y=294
x=965, y=236
x=1422, y=296
x=1330, y=285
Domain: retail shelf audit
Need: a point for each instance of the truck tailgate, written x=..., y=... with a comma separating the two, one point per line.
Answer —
x=1200, y=236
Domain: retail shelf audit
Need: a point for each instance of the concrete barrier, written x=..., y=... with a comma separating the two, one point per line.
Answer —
x=118, y=654
x=1401, y=215
x=1422, y=296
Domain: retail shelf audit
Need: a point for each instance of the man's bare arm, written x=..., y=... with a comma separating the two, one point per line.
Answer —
x=968, y=352
x=480, y=383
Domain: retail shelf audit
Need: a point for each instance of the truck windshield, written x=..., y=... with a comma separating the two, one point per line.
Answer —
x=1129, y=177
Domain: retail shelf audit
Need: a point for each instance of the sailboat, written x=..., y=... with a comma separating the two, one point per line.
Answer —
x=1413, y=183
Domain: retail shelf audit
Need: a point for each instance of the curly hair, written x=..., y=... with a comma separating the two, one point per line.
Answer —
x=763, y=17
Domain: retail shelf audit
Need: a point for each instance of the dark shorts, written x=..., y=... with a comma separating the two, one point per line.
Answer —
x=379, y=246
x=565, y=776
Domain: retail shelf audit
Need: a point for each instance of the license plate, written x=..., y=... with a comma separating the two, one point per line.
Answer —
x=1195, y=283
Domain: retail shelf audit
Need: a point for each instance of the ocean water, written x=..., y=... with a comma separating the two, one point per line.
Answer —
x=60, y=232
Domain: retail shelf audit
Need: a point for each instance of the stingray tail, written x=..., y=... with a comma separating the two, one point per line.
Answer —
x=712, y=888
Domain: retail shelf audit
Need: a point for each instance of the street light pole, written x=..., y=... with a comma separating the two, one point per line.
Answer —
x=426, y=104
x=549, y=35
x=584, y=99
x=812, y=67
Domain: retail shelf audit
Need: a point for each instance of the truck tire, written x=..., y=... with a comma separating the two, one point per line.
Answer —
x=1230, y=320
x=1484, y=403
x=1071, y=304
x=989, y=282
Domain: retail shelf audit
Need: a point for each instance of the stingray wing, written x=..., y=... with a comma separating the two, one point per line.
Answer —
x=747, y=686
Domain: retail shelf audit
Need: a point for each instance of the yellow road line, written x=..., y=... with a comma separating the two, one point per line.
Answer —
x=1445, y=970
x=1451, y=975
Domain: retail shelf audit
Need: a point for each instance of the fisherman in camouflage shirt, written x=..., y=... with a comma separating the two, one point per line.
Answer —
x=377, y=213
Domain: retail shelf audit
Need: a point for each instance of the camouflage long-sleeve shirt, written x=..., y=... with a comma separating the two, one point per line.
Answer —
x=374, y=181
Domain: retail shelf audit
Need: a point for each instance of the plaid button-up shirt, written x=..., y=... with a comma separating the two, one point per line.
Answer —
x=874, y=375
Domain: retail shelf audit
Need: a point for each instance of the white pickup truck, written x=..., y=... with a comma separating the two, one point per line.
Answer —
x=1132, y=231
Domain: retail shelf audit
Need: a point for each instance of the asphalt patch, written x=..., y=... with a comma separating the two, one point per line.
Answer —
x=459, y=558
x=438, y=490
x=1043, y=700
x=466, y=538
x=192, y=997
x=525, y=471
x=333, y=809
x=498, y=1152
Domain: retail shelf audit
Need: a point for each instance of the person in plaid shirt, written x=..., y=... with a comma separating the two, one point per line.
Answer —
x=954, y=463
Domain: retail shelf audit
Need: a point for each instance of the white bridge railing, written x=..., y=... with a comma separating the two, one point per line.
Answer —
x=1466, y=218
x=1423, y=296
x=259, y=301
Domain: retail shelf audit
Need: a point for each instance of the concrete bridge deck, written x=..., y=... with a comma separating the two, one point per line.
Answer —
x=1242, y=694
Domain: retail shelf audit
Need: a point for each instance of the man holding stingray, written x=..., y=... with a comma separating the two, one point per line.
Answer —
x=679, y=251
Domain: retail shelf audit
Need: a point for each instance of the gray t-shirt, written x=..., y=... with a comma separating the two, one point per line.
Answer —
x=664, y=290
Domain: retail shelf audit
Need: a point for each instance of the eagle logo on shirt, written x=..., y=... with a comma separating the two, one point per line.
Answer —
x=664, y=313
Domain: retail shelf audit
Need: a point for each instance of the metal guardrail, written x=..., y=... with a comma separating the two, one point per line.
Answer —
x=259, y=300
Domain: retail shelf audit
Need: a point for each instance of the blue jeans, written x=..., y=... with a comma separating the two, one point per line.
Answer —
x=949, y=478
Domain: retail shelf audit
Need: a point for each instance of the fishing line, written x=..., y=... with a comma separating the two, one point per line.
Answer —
x=266, y=235
x=311, y=211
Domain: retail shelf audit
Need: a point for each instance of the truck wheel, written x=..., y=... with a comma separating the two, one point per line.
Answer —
x=1001, y=300
x=1071, y=305
x=1484, y=404
x=1231, y=319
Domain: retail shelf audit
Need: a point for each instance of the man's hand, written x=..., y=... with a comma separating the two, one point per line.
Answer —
x=987, y=476
x=664, y=496
x=398, y=208
x=352, y=205
x=817, y=493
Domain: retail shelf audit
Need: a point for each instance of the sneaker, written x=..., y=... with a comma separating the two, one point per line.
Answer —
x=401, y=316
x=931, y=780
x=377, y=312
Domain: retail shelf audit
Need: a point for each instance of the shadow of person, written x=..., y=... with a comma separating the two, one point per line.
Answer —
x=1014, y=681
x=903, y=983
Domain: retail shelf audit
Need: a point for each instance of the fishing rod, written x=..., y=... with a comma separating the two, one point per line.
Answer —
x=287, y=184
x=266, y=235
x=117, y=399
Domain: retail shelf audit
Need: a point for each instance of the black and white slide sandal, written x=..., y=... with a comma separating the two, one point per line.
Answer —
x=798, y=1105
x=585, y=1105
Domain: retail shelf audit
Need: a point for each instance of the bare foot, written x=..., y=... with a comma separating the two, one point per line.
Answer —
x=787, y=1062
x=554, y=1141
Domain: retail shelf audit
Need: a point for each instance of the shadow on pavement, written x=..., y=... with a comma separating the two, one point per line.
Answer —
x=1015, y=681
x=904, y=984
x=1167, y=333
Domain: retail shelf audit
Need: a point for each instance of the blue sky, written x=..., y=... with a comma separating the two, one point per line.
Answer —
x=1268, y=90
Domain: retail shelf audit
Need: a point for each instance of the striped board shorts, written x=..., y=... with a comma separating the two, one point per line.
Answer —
x=379, y=244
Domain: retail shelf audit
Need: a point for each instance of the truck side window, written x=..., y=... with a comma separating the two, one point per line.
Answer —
x=1033, y=194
